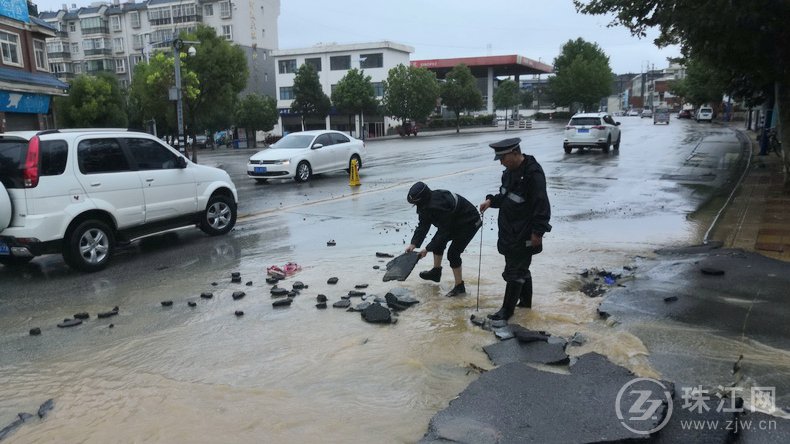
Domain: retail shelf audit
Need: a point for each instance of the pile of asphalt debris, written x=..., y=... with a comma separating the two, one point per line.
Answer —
x=595, y=282
x=22, y=418
x=373, y=309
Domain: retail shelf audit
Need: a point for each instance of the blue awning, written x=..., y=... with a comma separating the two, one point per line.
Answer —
x=30, y=78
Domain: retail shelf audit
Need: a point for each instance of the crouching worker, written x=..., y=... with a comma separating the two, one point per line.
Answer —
x=456, y=221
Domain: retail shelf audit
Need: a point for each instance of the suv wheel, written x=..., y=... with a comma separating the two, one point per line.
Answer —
x=567, y=149
x=219, y=216
x=89, y=246
x=617, y=144
x=607, y=145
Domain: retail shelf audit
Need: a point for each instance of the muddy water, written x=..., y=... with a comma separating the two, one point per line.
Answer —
x=301, y=374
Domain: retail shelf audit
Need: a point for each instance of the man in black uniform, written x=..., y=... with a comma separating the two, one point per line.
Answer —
x=456, y=220
x=524, y=215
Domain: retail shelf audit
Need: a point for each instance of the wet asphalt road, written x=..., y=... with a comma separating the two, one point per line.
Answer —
x=605, y=207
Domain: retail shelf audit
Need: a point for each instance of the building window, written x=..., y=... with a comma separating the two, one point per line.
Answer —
x=332, y=88
x=208, y=10
x=378, y=89
x=286, y=93
x=117, y=44
x=287, y=66
x=120, y=65
x=136, y=59
x=40, y=50
x=93, y=25
x=371, y=60
x=315, y=63
x=72, y=26
x=266, y=77
x=10, y=48
x=115, y=23
x=75, y=48
x=224, y=10
x=338, y=63
x=227, y=32
x=159, y=16
x=135, y=17
x=78, y=68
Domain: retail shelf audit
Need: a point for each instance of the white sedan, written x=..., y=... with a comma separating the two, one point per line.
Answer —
x=302, y=154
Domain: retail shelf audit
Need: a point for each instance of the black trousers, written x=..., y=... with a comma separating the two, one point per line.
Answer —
x=517, y=266
x=458, y=244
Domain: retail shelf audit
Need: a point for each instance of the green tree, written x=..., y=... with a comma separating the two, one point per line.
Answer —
x=354, y=94
x=410, y=93
x=507, y=96
x=747, y=42
x=221, y=70
x=583, y=76
x=527, y=97
x=256, y=113
x=93, y=101
x=459, y=92
x=309, y=98
x=702, y=85
x=149, y=91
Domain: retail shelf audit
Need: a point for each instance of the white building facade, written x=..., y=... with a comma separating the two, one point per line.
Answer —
x=116, y=36
x=332, y=62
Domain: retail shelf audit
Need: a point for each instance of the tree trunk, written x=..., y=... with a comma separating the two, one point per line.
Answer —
x=782, y=92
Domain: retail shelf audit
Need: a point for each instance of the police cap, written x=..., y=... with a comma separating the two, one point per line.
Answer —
x=504, y=146
x=419, y=194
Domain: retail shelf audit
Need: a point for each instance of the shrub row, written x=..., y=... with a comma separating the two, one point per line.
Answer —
x=465, y=121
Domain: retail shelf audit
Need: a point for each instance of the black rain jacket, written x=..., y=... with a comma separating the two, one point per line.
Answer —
x=451, y=213
x=523, y=206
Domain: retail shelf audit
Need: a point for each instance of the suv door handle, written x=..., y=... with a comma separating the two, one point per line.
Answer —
x=150, y=179
x=95, y=184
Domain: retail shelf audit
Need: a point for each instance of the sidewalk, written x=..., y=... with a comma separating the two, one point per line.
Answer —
x=758, y=218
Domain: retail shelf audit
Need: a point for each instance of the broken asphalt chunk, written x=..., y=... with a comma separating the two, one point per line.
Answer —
x=282, y=302
x=332, y=280
x=376, y=314
x=70, y=323
x=383, y=255
x=82, y=315
x=206, y=295
x=670, y=299
x=167, y=303
x=344, y=303
x=710, y=271
x=238, y=295
x=278, y=291
x=299, y=285
x=35, y=331
x=321, y=305
x=239, y=313
x=272, y=280
x=321, y=298
x=192, y=303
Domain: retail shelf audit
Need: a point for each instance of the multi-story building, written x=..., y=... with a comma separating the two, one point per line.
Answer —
x=116, y=36
x=332, y=62
x=26, y=85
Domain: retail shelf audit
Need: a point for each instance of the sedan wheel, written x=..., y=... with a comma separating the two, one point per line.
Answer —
x=303, y=172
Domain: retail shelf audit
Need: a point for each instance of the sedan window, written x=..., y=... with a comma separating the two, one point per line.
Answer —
x=323, y=139
x=339, y=138
x=294, y=141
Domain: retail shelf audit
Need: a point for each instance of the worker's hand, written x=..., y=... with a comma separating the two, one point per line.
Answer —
x=423, y=253
x=410, y=248
x=485, y=205
x=535, y=243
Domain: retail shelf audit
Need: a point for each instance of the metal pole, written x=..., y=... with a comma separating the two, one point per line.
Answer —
x=480, y=259
x=177, y=43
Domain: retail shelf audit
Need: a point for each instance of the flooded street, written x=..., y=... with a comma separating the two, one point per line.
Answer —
x=300, y=374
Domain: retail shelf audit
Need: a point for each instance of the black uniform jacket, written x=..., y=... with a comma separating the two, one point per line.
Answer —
x=523, y=206
x=450, y=213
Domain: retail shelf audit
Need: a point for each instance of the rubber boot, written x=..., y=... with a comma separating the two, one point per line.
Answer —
x=525, y=299
x=512, y=293
x=458, y=290
x=434, y=274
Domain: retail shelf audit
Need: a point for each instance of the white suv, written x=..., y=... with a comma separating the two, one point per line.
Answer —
x=79, y=192
x=704, y=113
x=591, y=130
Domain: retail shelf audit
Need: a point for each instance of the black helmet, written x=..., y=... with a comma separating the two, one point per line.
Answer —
x=419, y=194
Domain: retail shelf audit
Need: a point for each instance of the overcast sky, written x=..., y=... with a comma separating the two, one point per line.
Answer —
x=535, y=29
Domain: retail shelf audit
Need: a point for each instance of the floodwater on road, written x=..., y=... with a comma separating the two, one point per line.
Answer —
x=202, y=374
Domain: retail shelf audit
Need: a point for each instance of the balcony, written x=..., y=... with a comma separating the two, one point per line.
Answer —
x=64, y=75
x=102, y=51
x=62, y=34
x=98, y=30
x=188, y=18
x=59, y=55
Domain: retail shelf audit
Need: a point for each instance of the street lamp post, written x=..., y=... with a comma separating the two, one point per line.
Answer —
x=362, y=110
x=178, y=44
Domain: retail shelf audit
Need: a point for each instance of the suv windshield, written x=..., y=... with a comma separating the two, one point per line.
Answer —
x=589, y=121
x=294, y=141
x=12, y=159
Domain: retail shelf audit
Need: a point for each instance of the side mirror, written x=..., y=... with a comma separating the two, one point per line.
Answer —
x=181, y=162
x=617, y=123
x=318, y=145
